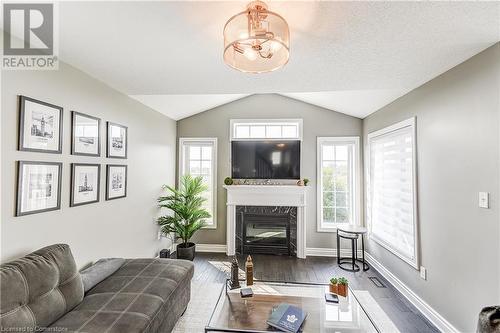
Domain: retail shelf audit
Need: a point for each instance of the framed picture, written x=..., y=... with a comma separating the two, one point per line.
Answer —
x=40, y=126
x=38, y=187
x=116, y=181
x=85, y=134
x=85, y=184
x=117, y=140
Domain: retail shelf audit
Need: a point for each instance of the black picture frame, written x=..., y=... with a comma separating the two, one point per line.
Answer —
x=72, y=190
x=22, y=123
x=108, y=138
x=19, y=186
x=108, y=166
x=73, y=134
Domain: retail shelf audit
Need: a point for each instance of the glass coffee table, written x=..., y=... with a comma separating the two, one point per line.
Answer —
x=236, y=314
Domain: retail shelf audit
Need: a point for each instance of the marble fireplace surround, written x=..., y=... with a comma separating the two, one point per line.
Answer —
x=266, y=195
x=262, y=217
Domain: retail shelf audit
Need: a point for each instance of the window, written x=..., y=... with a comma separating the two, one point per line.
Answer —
x=391, y=190
x=252, y=129
x=338, y=182
x=198, y=157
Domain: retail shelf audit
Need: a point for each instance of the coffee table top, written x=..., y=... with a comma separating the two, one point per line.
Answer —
x=236, y=314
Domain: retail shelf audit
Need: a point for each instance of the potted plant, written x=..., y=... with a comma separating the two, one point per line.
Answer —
x=188, y=215
x=228, y=181
x=342, y=286
x=334, y=285
x=306, y=180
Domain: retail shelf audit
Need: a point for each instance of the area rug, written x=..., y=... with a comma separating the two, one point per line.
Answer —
x=204, y=297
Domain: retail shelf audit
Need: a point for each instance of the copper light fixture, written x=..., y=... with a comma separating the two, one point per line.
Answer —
x=256, y=40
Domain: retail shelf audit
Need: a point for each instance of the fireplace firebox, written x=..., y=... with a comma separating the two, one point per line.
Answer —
x=266, y=230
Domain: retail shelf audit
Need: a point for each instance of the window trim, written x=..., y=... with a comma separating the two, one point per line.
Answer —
x=213, y=142
x=411, y=122
x=233, y=122
x=356, y=211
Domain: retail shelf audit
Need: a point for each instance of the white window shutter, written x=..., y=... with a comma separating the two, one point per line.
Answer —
x=391, y=190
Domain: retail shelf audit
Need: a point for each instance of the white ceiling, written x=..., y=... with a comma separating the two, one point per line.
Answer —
x=352, y=57
x=357, y=103
x=182, y=106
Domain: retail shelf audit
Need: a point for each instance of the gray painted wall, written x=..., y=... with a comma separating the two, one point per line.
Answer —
x=458, y=156
x=116, y=228
x=317, y=122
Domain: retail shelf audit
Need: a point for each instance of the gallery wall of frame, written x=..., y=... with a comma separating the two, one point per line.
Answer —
x=39, y=183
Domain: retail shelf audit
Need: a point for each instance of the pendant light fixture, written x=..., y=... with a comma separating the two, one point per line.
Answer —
x=256, y=40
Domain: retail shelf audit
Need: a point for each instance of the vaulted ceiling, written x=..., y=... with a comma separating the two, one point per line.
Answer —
x=351, y=57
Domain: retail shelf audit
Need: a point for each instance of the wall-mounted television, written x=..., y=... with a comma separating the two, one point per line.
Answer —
x=265, y=159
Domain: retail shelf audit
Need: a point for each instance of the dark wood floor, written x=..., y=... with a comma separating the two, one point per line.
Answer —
x=213, y=267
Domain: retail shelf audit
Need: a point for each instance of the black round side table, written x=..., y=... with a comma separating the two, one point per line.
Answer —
x=352, y=233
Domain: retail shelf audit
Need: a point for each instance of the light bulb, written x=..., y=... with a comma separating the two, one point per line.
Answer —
x=250, y=54
x=275, y=46
x=243, y=35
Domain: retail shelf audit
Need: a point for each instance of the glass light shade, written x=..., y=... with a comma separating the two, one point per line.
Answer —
x=256, y=40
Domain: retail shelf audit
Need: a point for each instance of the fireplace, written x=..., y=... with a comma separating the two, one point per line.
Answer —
x=266, y=230
x=248, y=198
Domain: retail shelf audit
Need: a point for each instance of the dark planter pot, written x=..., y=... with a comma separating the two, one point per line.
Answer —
x=186, y=252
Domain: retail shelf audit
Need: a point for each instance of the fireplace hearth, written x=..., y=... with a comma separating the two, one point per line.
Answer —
x=266, y=230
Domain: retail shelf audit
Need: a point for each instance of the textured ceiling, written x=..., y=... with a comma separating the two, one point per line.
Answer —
x=352, y=57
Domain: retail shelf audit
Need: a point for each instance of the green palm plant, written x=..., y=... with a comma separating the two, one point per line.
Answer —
x=186, y=204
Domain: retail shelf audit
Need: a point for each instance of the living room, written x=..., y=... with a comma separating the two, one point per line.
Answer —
x=210, y=166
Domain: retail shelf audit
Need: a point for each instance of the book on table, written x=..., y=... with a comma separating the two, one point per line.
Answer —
x=287, y=318
x=331, y=298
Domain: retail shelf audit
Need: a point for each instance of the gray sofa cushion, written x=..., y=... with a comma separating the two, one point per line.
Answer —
x=39, y=288
x=136, y=298
x=100, y=271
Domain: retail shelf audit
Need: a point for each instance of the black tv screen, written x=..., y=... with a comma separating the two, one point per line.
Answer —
x=265, y=159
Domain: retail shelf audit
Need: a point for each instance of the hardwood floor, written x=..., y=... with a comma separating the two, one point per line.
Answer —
x=214, y=267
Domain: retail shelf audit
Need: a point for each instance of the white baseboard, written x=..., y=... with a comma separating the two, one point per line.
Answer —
x=432, y=315
x=329, y=252
x=310, y=251
x=214, y=248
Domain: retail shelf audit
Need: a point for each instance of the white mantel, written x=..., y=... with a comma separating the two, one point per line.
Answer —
x=266, y=195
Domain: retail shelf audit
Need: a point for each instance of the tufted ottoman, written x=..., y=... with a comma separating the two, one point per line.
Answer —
x=44, y=289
